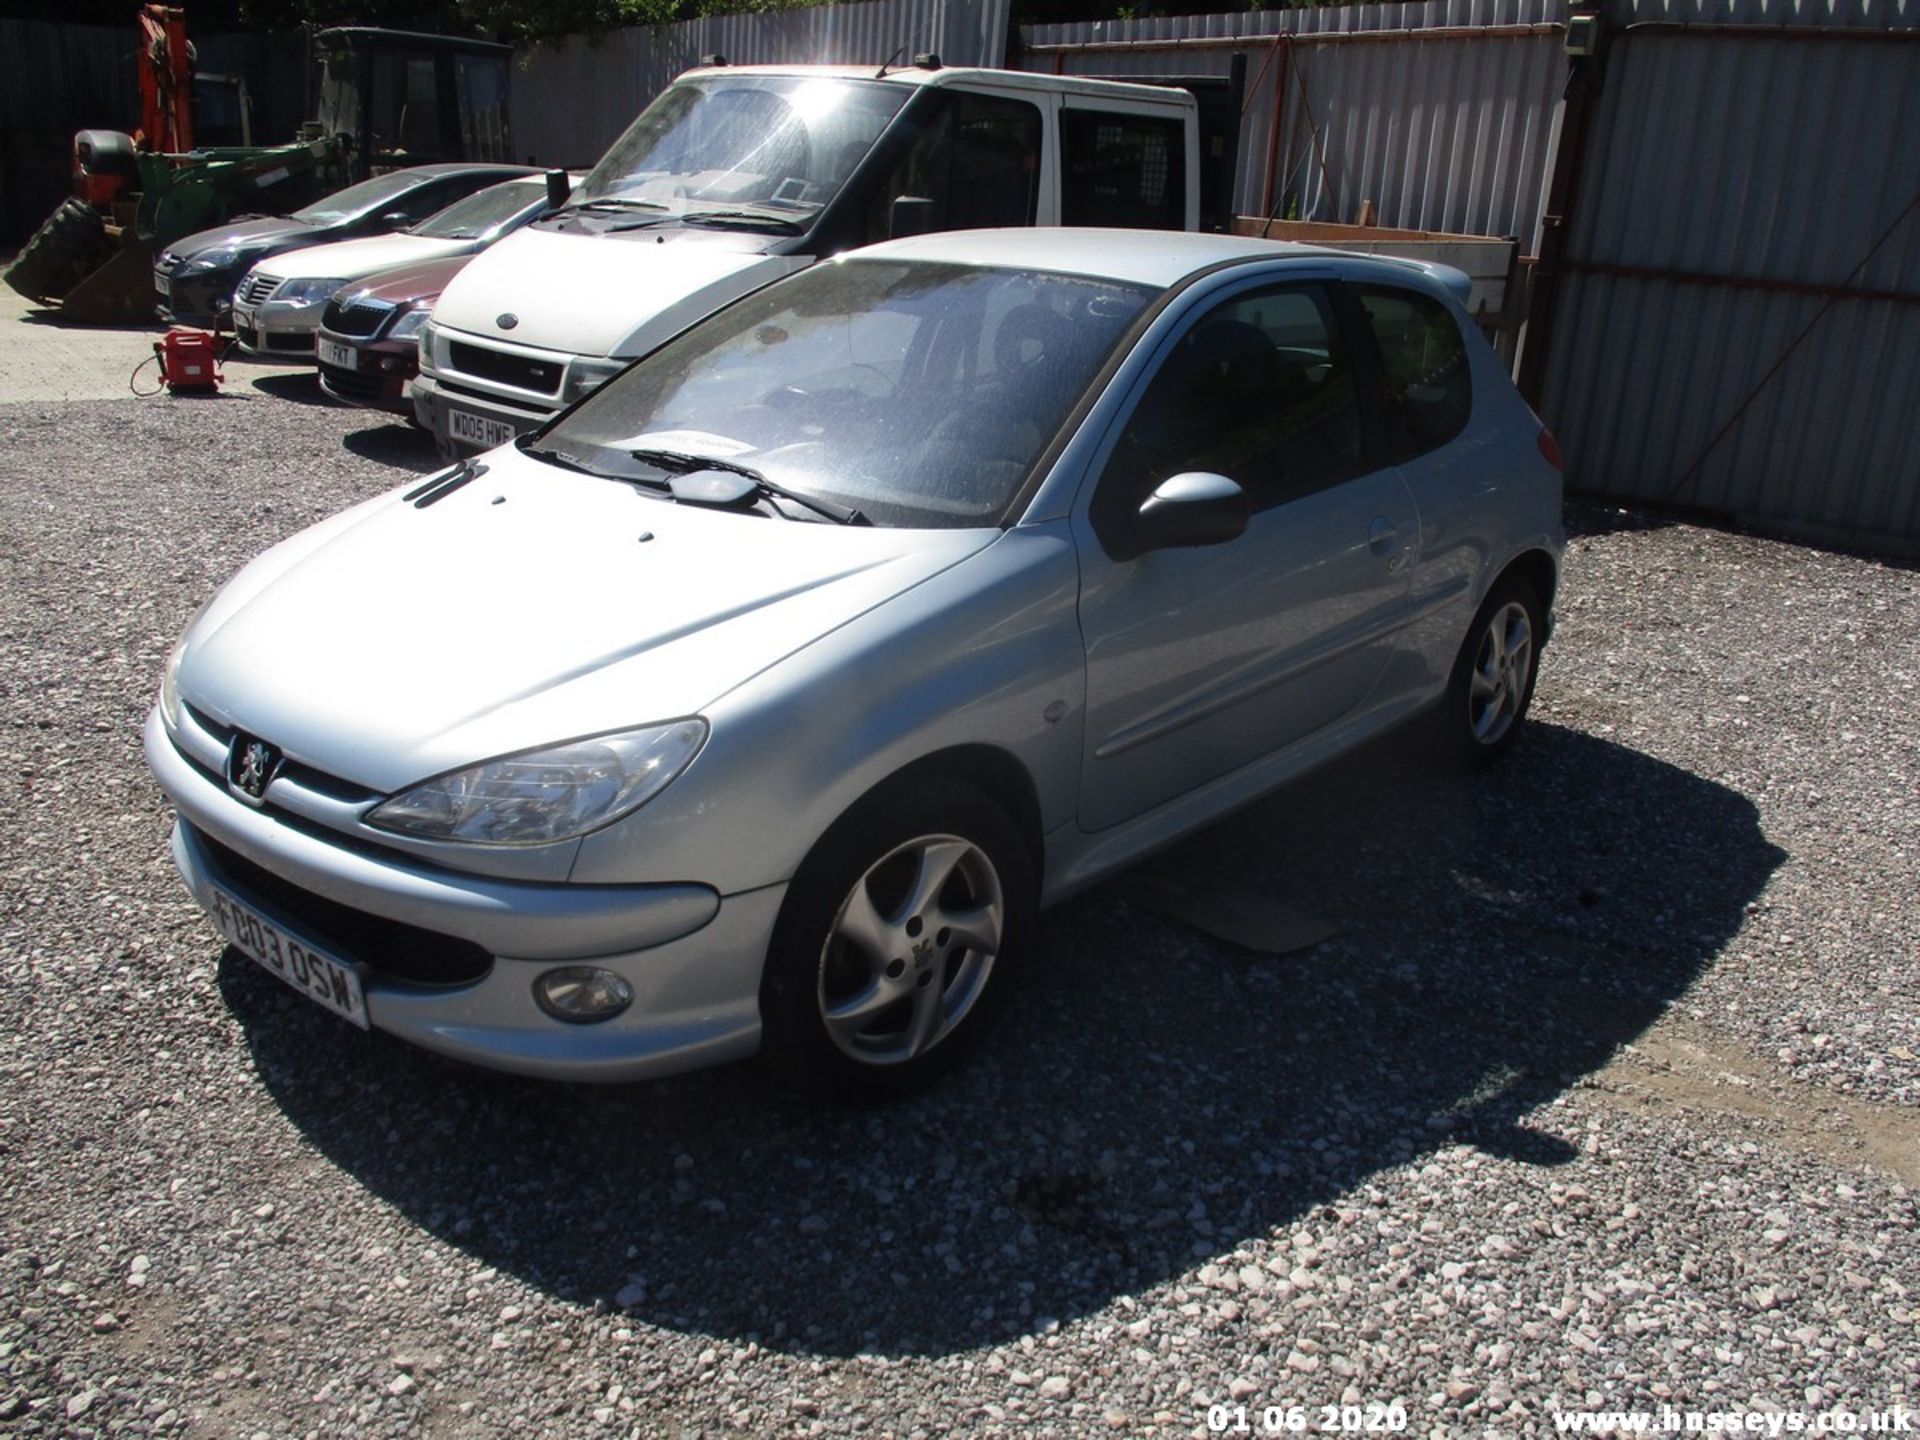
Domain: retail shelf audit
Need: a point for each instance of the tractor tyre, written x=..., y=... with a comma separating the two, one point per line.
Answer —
x=69, y=246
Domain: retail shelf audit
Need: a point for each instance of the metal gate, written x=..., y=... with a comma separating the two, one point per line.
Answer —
x=1738, y=321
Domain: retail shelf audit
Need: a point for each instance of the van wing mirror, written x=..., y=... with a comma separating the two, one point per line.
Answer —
x=911, y=215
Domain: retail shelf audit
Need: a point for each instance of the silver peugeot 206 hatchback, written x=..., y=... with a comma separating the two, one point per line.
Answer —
x=757, y=702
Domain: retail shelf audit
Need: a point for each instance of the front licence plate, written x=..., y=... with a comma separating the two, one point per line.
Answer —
x=465, y=426
x=342, y=357
x=160, y=283
x=321, y=978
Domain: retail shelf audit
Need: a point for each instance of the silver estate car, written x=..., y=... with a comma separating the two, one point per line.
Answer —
x=758, y=701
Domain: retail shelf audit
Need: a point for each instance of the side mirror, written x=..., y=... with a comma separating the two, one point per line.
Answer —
x=911, y=215
x=1196, y=508
x=559, y=187
x=396, y=220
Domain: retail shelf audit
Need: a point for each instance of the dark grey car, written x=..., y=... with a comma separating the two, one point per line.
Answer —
x=194, y=277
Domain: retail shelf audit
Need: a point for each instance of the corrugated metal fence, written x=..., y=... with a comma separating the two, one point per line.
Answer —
x=1738, y=328
x=1439, y=112
x=571, y=100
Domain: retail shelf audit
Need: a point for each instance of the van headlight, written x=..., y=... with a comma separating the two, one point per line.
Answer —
x=542, y=796
x=588, y=375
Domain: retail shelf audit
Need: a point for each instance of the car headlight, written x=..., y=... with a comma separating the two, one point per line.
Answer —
x=542, y=796
x=205, y=264
x=586, y=375
x=409, y=324
x=305, y=292
x=170, y=687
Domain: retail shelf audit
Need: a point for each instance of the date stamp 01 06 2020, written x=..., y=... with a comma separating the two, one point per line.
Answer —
x=1390, y=1419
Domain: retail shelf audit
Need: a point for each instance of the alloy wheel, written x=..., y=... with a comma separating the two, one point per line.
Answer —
x=911, y=949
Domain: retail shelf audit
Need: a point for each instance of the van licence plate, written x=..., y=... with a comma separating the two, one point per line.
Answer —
x=481, y=430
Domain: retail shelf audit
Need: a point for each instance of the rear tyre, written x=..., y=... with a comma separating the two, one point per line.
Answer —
x=67, y=247
x=897, y=943
x=1493, y=676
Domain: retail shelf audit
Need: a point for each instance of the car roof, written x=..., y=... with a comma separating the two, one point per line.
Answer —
x=1171, y=96
x=1141, y=257
x=468, y=167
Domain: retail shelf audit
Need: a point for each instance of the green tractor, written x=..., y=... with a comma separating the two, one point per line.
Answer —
x=379, y=100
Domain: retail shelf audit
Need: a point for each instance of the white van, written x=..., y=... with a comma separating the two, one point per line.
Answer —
x=737, y=176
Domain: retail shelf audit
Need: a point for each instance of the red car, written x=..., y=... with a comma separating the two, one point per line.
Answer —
x=369, y=339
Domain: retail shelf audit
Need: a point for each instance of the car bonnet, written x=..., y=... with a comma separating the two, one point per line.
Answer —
x=528, y=606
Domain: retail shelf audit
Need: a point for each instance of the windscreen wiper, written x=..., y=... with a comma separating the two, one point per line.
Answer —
x=618, y=206
x=616, y=202
x=562, y=459
x=682, y=463
x=729, y=218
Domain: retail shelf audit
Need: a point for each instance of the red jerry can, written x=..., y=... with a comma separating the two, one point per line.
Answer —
x=188, y=363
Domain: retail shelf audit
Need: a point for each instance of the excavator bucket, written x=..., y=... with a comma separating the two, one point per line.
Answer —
x=120, y=292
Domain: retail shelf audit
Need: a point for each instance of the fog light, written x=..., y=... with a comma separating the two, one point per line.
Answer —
x=582, y=994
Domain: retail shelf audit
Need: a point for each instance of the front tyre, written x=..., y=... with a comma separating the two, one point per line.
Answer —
x=896, y=943
x=1494, y=674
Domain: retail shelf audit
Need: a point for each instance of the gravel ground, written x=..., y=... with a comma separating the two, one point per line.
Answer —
x=1603, y=1093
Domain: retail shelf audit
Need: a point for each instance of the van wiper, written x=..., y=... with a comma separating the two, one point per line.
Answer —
x=616, y=202
x=562, y=459
x=682, y=463
x=729, y=219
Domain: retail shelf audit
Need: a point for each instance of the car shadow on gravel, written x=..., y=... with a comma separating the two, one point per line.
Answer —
x=396, y=443
x=1155, y=1099
x=300, y=386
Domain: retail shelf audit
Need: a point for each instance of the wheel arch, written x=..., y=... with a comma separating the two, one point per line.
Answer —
x=995, y=772
x=1538, y=568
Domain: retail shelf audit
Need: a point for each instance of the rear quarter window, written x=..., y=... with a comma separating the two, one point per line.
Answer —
x=1122, y=169
x=1423, y=368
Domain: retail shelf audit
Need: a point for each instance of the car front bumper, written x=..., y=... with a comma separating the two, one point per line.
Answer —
x=692, y=957
x=377, y=378
x=276, y=328
x=202, y=297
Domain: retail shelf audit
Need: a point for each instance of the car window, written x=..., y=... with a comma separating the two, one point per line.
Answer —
x=429, y=199
x=1260, y=389
x=360, y=199
x=977, y=159
x=920, y=393
x=1122, y=170
x=1423, y=368
x=472, y=217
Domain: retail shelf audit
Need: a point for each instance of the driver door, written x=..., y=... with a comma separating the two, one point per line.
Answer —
x=1203, y=660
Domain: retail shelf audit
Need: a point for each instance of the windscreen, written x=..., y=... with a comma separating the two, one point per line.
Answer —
x=336, y=92
x=473, y=217
x=358, y=199
x=781, y=145
x=920, y=394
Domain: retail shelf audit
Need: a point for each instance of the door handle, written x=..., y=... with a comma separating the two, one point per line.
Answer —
x=1383, y=536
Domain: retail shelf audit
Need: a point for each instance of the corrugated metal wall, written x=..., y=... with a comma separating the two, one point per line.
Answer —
x=1439, y=112
x=1738, y=328
x=57, y=78
x=571, y=100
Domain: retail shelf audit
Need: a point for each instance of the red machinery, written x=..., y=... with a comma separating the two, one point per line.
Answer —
x=166, y=81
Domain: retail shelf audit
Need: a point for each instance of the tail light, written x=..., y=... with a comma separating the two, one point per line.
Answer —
x=1550, y=448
